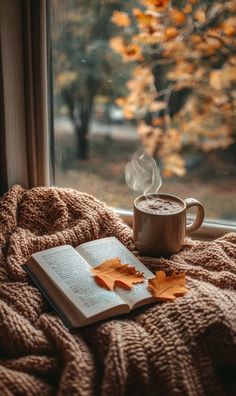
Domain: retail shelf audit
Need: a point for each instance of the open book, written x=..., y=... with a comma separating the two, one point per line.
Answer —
x=64, y=276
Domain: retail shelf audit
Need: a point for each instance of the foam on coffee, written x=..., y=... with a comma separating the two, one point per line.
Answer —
x=160, y=206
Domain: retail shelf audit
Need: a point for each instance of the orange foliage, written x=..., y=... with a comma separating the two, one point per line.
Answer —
x=117, y=44
x=120, y=18
x=167, y=288
x=144, y=20
x=142, y=93
x=188, y=9
x=177, y=17
x=132, y=52
x=170, y=33
x=177, y=49
x=157, y=5
x=129, y=52
x=112, y=273
x=229, y=26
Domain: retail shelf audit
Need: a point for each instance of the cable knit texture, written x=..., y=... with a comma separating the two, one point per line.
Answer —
x=187, y=347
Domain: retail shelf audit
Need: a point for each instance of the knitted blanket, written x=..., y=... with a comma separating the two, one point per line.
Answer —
x=187, y=347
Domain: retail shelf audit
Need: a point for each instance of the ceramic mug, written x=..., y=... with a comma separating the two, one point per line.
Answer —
x=163, y=234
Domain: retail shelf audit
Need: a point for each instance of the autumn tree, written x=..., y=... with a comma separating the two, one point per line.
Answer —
x=84, y=64
x=183, y=87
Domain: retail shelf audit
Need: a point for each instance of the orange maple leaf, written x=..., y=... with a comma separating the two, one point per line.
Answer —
x=112, y=273
x=167, y=288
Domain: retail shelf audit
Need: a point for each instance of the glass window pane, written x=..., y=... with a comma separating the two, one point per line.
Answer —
x=135, y=75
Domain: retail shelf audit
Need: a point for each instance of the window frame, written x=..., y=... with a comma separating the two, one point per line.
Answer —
x=28, y=161
x=13, y=132
x=24, y=92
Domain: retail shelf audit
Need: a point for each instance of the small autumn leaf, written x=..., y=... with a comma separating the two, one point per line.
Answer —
x=132, y=52
x=120, y=18
x=188, y=9
x=157, y=5
x=229, y=26
x=112, y=273
x=177, y=17
x=117, y=44
x=173, y=164
x=200, y=15
x=167, y=288
x=144, y=20
x=171, y=32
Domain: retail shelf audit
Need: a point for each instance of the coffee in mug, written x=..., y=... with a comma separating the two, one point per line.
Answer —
x=159, y=206
x=160, y=223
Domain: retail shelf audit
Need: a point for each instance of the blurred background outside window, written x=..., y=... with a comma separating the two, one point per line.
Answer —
x=156, y=74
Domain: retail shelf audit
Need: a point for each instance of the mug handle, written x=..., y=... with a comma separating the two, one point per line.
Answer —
x=199, y=216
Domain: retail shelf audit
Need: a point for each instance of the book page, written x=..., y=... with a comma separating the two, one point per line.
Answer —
x=95, y=252
x=72, y=274
x=138, y=296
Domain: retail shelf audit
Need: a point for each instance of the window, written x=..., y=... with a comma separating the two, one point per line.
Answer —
x=144, y=71
x=88, y=60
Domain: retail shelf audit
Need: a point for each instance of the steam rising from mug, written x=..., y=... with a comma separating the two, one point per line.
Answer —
x=142, y=173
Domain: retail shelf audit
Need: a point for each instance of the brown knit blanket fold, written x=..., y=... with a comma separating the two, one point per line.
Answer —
x=187, y=347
